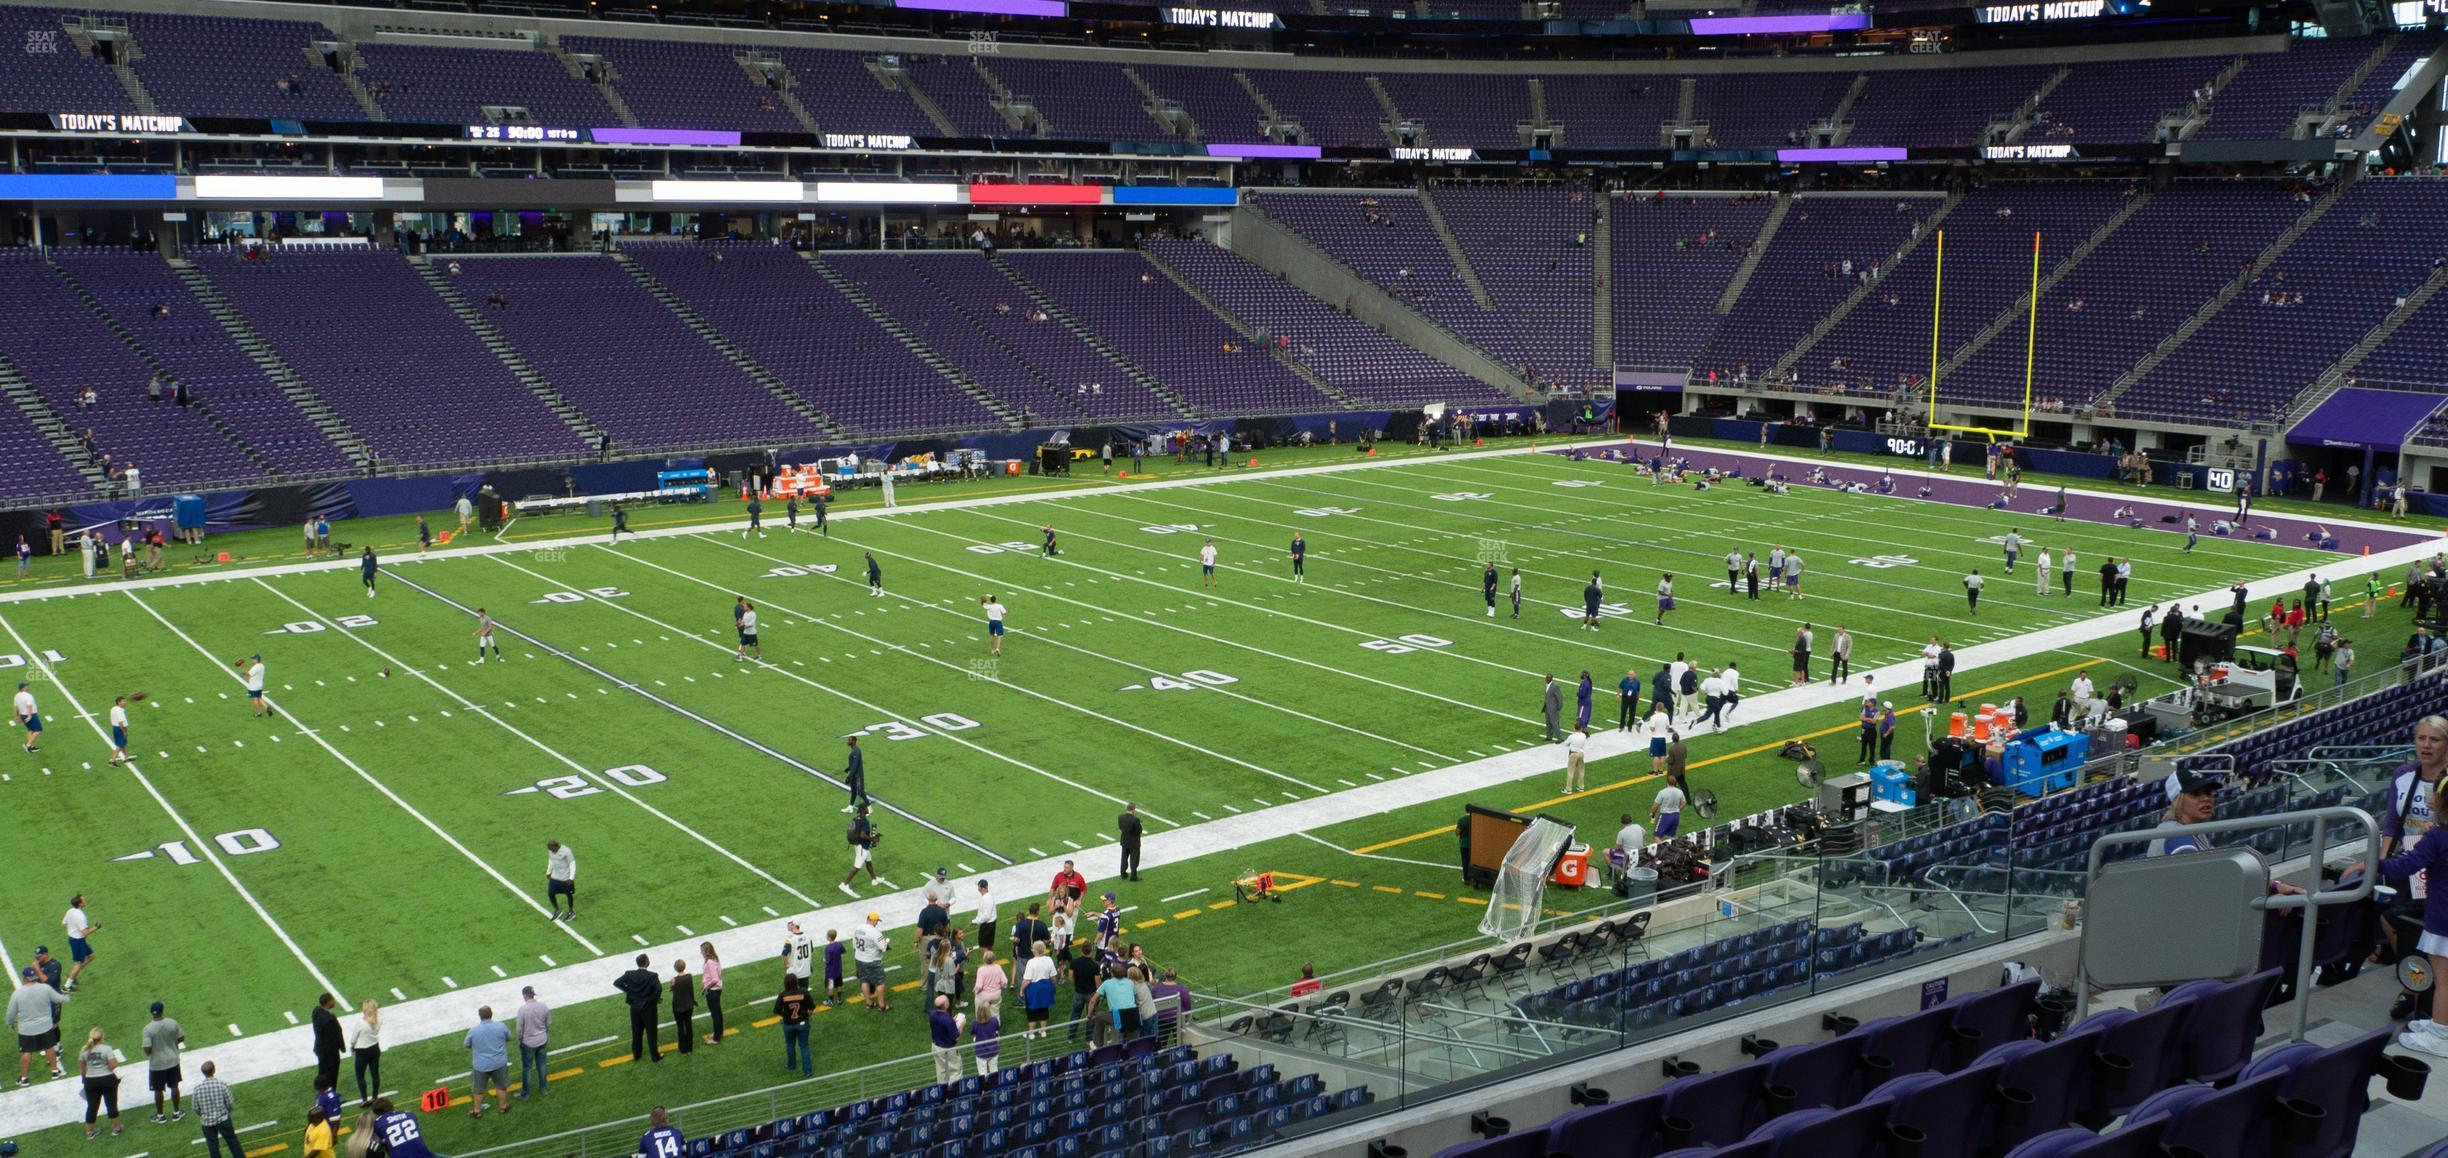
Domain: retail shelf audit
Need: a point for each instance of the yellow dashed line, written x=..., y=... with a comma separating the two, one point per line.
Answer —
x=1430, y=896
x=1223, y=904
x=571, y=1072
x=762, y=1023
x=274, y=1148
x=1386, y=889
x=1186, y=914
x=609, y=1062
x=1470, y=900
x=1349, y=884
x=1150, y=923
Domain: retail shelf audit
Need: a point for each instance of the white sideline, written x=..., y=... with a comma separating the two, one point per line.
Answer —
x=57, y=1102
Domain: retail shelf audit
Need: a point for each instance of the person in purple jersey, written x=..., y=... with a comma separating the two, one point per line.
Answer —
x=662, y=1139
x=397, y=1133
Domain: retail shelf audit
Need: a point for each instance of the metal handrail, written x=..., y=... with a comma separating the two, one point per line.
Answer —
x=2312, y=900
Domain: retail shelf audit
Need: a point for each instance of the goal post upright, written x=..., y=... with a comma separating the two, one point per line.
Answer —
x=2031, y=347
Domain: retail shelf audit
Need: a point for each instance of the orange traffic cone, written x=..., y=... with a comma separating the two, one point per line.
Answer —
x=1253, y=464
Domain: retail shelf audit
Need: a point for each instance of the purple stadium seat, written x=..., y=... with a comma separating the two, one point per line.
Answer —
x=1716, y=1109
x=1954, y=1112
x=2137, y=1139
x=2235, y=1120
x=1629, y=1129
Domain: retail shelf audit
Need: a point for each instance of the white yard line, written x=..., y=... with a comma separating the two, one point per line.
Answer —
x=1008, y=686
x=195, y=841
x=1218, y=640
x=1227, y=692
x=369, y=778
x=424, y=1018
x=592, y=775
x=590, y=538
x=846, y=697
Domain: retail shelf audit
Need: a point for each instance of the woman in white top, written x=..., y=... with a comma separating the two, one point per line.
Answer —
x=365, y=1044
x=1037, y=989
x=1062, y=927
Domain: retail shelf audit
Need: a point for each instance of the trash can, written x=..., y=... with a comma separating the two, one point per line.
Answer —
x=1640, y=884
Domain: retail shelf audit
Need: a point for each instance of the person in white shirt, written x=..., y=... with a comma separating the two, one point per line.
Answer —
x=1712, y=690
x=254, y=666
x=1685, y=707
x=985, y=917
x=1929, y=669
x=888, y=487
x=1656, y=732
x=994, y=624
x=2065, y=573
x=1732, y=682
x=2080, y=692
x=1037, y=989
x=1840, y=657
x=867, y=945
x=1576, y=772
x=2040, y=587
x=799, y=953
x=560, y=879
x=747, y=621
x=119, y=727
x=1972, y=589
x=78, y=926
x=28, y=717
x=1207, y=558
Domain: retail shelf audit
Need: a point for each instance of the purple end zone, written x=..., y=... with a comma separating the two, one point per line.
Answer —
x=1978, y=492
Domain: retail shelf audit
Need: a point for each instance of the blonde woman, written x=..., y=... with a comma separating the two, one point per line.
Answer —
x=1037, y=988
x=361, y=1136
x=365, y=1044
x=99, y=1064
x=986, y=1031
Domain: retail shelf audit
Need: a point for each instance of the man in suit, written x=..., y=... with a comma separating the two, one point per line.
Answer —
x=327, y=1041
x=1554, y=707
x=644, y=989
x=1128, y=825
x=1946, y=674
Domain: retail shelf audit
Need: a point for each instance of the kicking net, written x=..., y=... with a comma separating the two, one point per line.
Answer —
x=1521, y=882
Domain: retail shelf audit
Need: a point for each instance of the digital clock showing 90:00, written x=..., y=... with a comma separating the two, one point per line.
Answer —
x=535, y=133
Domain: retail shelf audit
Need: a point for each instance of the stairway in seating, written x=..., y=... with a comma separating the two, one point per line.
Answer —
x=1055, y=311
x=1602, y=285
x=53, y=428
x=2218, y=301
x=757, y=64
x=520, y=368
x=1862, y=292
x=2021, y=308
x=602, y=82
x=898, y=78
x=1759, y=249
x=697, y=323
x=270, y=362
x=1002, y=410
x=1250, y=333
x=2335, y=377
x=138, y=348
x=1453, y=250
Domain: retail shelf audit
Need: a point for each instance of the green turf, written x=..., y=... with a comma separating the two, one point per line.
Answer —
x=410, y=809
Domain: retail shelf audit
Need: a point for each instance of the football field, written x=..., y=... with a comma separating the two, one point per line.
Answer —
x=379, y=831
